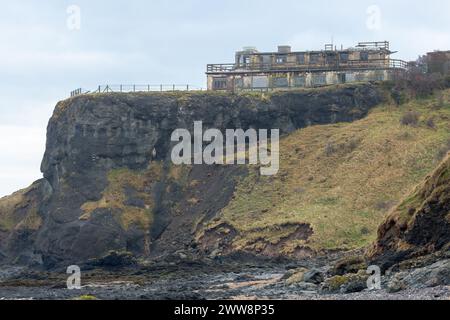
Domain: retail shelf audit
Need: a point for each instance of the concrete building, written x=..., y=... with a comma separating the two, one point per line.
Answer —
x=284, y=69
x=438, y=62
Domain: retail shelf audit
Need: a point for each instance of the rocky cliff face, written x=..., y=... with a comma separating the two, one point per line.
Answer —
x=109, y=183
x=420, y=225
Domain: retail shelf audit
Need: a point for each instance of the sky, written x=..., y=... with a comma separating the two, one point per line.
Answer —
x=51, y=47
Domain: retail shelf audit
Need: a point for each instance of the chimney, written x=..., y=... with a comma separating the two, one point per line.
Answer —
x=284, y=49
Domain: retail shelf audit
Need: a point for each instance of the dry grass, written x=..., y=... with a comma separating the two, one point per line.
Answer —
x=19, y=201
x=374, y=160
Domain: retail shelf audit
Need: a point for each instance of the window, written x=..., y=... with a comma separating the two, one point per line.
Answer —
x=280, y=59
x=314, y=58
x=319, y=80
x=246, y=60
x=379, y=77
x=364, y=56
x=280, y=82
x=266, y=60
x=220, y=84
x=260, y=82
x=344, y=57
x=239, y=83
x=331, y=58
x=301, y=58
x=299, y=81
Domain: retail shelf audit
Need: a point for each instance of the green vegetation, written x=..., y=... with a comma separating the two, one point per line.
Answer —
x=435, y=186
x=341, y=179
x=140, y=184
x=29, y=218
x=86, y=297
x=115, y=196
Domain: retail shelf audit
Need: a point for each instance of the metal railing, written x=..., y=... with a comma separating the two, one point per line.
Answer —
x=323, y=66
x=77, y=92
x=126, y=88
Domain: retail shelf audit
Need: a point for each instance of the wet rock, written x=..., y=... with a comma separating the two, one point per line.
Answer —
x=289, y=273
x=438, y=274
x=348, y=283
x=245, y=278
x=351, y=264
x=305, y=286
x=396, y=284
x=296, y=276
x=314, y=276
x=429, y=276
x=114, y=260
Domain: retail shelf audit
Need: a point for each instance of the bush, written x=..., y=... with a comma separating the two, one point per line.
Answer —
x=410, y=118
x=343, y=148
x=416, y=85
x=424, y=85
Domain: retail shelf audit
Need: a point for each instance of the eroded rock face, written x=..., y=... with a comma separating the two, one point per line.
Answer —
x=109, y=183
x=420, y=225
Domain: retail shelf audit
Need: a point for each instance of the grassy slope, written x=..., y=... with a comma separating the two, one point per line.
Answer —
x=341, y=179
x=19, y=211
x=422, y=215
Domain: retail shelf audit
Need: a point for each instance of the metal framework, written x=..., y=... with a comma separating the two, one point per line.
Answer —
x=379, y=64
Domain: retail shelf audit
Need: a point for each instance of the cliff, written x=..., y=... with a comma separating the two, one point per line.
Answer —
x=346, y=159
x=105, y=188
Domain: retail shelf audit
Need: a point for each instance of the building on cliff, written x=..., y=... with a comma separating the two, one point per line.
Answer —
x=438, y=62
x=284, y=69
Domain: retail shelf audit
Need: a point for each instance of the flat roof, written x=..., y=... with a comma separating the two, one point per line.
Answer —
x=320, y=51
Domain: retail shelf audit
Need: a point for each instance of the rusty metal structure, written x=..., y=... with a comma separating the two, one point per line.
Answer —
x=285, y=69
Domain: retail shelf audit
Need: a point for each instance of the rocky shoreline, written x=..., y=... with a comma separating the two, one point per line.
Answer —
x=313, y=279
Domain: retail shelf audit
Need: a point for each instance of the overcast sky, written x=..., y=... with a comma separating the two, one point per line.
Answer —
x=44, y=55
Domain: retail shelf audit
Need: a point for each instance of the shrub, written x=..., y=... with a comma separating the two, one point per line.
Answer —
x=346, y=147
x=424, y=85
x=410, y=118
x=416, y=85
